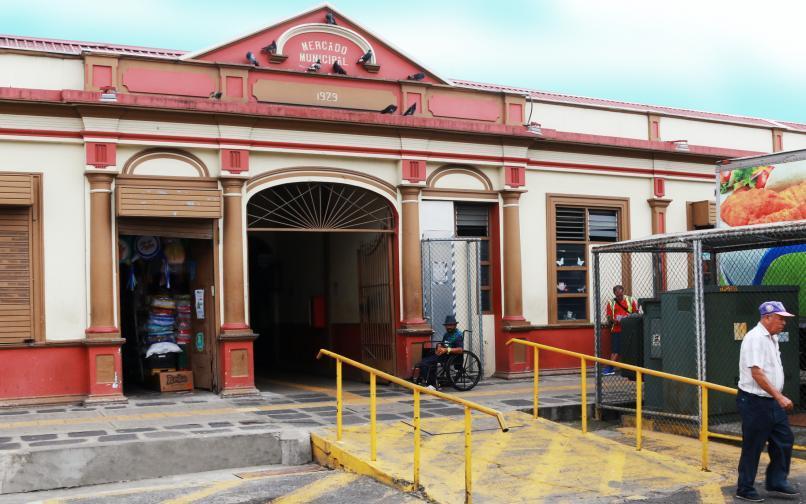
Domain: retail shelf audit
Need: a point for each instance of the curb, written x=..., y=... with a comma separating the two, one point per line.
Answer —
x=65, y=467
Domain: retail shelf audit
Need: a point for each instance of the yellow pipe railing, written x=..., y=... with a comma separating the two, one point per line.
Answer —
x=639, y=374
x=469, y=406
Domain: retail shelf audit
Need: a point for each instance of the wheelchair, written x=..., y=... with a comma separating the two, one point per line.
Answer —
x=460, y=371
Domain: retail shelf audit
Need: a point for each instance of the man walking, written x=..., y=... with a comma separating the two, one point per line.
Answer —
x=617, y=308
x=763, y=407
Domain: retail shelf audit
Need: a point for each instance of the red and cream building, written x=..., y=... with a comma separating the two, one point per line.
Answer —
x=300, y=207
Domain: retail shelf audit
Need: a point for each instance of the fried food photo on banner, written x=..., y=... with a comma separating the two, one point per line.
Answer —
x=762, y=194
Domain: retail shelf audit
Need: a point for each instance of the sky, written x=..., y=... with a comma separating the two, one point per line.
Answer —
x=739, y=57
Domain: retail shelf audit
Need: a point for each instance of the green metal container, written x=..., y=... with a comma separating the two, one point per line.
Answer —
x=653, y=352
x=632, y=343
x=729, y=313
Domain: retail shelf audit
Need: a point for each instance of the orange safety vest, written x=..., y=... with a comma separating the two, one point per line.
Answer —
x=612, y=305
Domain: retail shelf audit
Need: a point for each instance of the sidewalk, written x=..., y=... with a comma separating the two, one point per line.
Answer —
x=159, y=435
x=305, y=403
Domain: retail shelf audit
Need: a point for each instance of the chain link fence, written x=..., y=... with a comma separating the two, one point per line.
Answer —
x=451, y=286
x=698, y=295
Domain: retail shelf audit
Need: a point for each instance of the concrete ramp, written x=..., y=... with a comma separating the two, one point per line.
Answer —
x=536, y=461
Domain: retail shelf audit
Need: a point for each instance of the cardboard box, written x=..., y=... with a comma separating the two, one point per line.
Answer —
x=174, y=381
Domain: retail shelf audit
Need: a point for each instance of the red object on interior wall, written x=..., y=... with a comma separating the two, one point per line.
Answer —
x=235, y=160
x=101, y=76
x=515, y=176
x=101, y=155
x=318, y=312
x=413, y=170
x=659, y=187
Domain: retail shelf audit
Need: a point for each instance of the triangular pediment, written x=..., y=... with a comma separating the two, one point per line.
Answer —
x=298, y=42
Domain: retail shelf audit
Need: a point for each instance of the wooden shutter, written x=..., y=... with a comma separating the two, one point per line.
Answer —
x=152, y=197
x=198, y=229
x=17, y=321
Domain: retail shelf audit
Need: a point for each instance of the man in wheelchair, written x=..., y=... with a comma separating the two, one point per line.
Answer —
x=452, y=343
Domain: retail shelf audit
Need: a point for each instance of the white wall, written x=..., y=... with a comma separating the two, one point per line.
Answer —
x=436, y=219
x=40, y=72
x=794, y=141
x=714, y=134
x=63, y=212
x=591, y=121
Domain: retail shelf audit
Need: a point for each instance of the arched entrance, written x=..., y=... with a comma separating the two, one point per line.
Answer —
x=321, y=261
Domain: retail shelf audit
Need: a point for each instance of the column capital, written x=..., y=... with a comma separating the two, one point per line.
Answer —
x=658, y=202
x=410, y=190
x=100, y=180
x=511, y=196
x=232, y=182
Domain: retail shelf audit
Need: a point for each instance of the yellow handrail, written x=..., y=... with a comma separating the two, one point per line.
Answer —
x=639, y=372
x=417, y=390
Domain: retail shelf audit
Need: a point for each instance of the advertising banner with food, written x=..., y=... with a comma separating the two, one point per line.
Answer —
x=762, y=190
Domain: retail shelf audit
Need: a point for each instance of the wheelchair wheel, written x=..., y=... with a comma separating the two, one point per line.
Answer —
x=464, y=371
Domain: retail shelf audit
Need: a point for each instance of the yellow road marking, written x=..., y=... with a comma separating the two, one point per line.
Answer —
x=711, y=494
x=614, y=472
x=317, y=489
x=352, y=399
x=244, y=477
x=205, y=492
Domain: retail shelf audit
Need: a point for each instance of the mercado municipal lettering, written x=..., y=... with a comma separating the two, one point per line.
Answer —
x=238, y=218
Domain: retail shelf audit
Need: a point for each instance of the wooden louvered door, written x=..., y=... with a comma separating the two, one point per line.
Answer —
x=17, y=318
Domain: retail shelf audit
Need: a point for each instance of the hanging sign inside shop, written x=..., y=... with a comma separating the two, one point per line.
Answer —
x=147, y=246
x=199, y=295
x=199, y=341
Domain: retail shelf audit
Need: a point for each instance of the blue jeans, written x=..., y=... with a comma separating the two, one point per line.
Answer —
x=428, y=368
x=763, y=421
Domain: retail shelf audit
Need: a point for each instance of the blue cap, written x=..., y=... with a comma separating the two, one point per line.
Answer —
x=770, y=307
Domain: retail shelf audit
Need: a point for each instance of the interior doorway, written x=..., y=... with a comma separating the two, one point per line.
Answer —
x=320, y=276
x=167, y=306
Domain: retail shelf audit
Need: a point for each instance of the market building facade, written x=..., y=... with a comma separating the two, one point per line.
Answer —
x=308, y=185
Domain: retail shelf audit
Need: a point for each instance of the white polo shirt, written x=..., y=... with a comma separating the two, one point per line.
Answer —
x=759, y=348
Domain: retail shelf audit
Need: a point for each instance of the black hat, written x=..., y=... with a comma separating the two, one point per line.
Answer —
x=450, y=320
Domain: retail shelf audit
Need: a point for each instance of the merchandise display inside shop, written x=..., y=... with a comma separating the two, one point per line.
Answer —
x=163, y=312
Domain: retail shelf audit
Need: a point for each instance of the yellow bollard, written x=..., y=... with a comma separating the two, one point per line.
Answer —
x=537, y=380
x=416, y=422
x=584, y=395
x=468, y=466
x=338, y=400
x=373, y=433
x=639, y=399
x=704, y=428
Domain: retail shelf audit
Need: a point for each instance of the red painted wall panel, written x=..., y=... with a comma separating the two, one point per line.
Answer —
x=43, y=372
x=101, y=76
x=574, y=339
x=234, y=87
x=147, y=80
x=452, y=105
x=515, y=113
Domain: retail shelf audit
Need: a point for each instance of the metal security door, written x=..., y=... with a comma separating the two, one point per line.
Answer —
x=452, y=286
x=375, y=298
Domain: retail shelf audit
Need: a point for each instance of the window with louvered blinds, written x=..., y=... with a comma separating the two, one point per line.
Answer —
x=576, y=223
x=18, y=242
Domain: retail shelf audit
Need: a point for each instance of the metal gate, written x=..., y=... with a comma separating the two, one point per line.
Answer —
x=375, y=298
x=452, y=286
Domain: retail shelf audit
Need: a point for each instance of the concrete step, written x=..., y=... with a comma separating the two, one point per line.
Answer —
x=46, y=468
